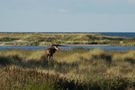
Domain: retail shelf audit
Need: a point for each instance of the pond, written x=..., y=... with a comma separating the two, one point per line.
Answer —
x=110, y=48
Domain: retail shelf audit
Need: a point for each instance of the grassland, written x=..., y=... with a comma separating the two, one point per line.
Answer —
x=23, y=39
x=76, y=69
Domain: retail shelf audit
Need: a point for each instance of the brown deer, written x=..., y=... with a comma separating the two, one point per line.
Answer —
x=52, y=50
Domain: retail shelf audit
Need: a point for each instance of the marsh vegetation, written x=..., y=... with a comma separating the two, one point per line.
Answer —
x=24, y=39
x=76, y=69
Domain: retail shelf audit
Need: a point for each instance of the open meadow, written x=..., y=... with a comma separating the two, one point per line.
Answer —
x=76, y=69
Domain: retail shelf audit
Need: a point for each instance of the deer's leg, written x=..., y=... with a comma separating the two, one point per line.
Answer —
x=48, y=58
x=52, y=57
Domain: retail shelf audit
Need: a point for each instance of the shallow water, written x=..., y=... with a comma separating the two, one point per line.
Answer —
x=110, y=48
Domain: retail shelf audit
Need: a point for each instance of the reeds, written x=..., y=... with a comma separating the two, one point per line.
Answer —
x=69, y=70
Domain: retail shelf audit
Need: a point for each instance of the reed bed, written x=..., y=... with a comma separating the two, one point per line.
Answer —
x=76, y=69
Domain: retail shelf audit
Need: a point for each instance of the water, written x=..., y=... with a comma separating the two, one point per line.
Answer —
x=110, y=48
x=124, y=34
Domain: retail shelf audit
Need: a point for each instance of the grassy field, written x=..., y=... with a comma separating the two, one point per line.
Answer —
x=76, y=69
x=21, y=39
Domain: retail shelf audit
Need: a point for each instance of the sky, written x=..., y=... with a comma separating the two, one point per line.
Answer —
x=67, y=15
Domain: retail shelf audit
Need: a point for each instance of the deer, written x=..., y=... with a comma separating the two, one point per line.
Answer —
x=52, y=50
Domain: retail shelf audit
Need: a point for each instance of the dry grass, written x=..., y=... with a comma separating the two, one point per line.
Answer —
x=73, y=70
x=48, y=39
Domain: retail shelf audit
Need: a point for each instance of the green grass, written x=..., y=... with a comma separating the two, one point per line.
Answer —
x=76, y=69
x=48, y=39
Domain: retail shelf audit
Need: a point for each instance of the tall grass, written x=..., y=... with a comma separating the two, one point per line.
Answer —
x=77, y=69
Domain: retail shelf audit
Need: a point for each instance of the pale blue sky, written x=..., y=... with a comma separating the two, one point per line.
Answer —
x=67, y=15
